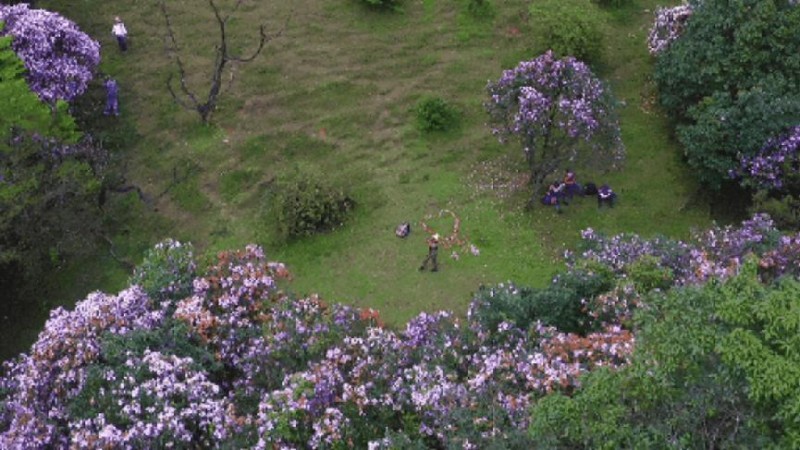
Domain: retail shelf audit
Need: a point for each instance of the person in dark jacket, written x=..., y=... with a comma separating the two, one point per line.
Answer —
x=571, y=186
x=433, y=252
x=606, y=196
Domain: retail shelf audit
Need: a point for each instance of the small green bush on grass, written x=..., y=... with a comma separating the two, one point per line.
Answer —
x=436, y=114
x=307, y=204
x=569, y=28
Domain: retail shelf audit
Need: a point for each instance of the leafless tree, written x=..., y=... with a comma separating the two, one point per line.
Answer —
x=188, y=98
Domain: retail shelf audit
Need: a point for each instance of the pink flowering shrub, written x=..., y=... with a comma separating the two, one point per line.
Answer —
x=59, y=57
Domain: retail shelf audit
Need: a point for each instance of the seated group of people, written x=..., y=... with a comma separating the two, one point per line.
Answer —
x=562, y=192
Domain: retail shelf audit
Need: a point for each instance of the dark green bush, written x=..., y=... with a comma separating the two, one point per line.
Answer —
x=731, y=82
x=569, y=28
x=612, y=3
x=783, y=209
x=560, y=305
x=647, y=274
x=308, y=204
x=388, y=4
x=436, y=114
x=480, y=9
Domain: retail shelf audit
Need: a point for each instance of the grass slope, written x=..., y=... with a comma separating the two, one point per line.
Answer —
x=335, y=93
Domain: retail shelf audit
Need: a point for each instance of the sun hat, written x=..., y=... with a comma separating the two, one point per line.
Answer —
x=435, y=236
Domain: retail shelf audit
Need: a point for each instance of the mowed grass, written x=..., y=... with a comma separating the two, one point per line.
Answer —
x=335, y=94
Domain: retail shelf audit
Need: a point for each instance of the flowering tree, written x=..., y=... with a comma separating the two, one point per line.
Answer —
x=59, y=57
x=668, y=26
x=774, y=176
x=20, y=108
x=559, y=111
x=731, y=81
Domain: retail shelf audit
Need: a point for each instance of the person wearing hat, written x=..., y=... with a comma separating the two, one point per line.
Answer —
x=433, y=251
x=119, y=31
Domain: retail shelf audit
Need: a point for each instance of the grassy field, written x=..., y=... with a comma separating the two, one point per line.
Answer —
x=336, y=94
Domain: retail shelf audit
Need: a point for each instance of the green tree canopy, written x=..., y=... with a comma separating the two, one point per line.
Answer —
x=48, y=181
x=732, y=81
x=716, y=366
x=21, y=108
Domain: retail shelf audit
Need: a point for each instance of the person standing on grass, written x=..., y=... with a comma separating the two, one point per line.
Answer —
x=119, y=31
x=433, y=252
x=112, y=97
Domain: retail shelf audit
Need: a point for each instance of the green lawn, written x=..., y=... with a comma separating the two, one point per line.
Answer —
x=335, y=94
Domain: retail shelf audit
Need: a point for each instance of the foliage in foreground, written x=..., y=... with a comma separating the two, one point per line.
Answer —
x=228, y=360
x=238, y=363
x=731, y=80
x=715, y=367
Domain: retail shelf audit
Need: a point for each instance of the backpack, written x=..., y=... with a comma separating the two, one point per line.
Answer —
x=403, y=230
x=590, y=189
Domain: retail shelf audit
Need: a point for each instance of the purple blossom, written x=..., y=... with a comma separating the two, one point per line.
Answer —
x=558, y=110
x=668, y=25
x=768, y=168
x=298, y=373
x=714, y=253
x=60, y=59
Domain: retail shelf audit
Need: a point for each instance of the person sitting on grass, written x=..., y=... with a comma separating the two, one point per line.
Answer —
x=553, y=195
x=606, y=195
x=571, y=186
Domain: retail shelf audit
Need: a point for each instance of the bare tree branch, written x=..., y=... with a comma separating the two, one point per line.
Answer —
x=264, y=38
x=221, y=59
x=179, y=62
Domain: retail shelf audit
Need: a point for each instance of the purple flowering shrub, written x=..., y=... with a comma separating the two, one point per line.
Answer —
x=237, y=363
x=715, y=253
x=776, y=161
x=667, y=26
x=431, y=371
x=559, y=111
x=59, y=57
x=38, y=386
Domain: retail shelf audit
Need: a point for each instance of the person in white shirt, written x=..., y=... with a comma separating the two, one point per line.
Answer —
x=121, y=33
